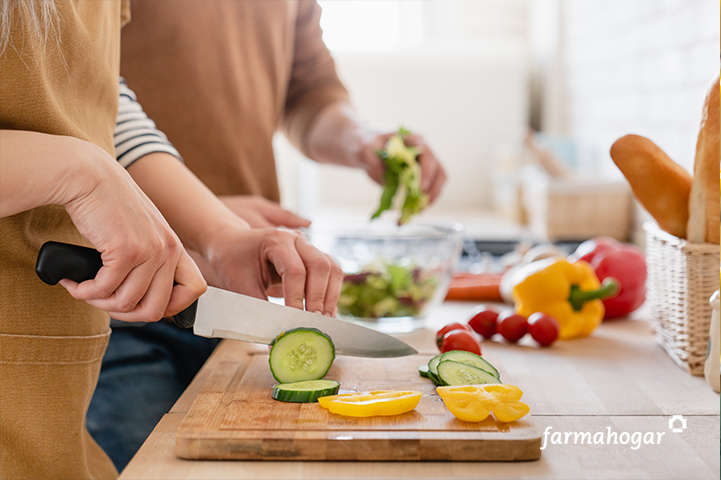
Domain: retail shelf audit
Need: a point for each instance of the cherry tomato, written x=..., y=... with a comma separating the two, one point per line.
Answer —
x=448, y=328
x=543, y=328
x=511, y=326
x=484, y=321
x=460, y=340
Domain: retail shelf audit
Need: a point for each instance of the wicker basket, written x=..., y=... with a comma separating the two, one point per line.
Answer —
x=682, y=277
x=576, y=209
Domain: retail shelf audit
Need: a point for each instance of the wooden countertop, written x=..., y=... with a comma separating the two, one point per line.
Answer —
x=619, y=378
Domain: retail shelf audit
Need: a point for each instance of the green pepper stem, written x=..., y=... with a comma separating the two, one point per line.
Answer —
x=578, y=297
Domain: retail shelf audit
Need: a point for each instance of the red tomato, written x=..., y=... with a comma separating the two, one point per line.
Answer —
x=543, y=328
x=448, y=328
x=460, y=340
x=511, y=326
x=484, y=321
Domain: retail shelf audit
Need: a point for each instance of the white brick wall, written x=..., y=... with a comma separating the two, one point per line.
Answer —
x=638, y=66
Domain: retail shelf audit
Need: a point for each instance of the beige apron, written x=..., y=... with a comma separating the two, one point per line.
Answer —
x=51, y=345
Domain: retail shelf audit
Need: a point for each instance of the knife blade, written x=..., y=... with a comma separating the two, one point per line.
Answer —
x=231, y=315
x=224, y=314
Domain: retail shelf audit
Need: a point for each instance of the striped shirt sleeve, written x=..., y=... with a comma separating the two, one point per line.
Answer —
x=135, y=134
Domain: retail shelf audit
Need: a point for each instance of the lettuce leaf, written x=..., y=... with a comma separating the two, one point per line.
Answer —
x=402, y=170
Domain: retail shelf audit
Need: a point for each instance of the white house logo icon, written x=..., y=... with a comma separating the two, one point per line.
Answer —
x=672, y=421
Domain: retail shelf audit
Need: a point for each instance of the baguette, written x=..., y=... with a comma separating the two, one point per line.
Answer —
x=704, y=209
x=660, y=184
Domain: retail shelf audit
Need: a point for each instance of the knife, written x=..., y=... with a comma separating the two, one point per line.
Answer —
x=224, y=314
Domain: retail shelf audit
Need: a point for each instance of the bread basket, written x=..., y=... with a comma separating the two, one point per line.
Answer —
x=682, y=277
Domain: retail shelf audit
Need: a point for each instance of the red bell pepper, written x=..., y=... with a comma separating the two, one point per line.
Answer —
x=625, y=263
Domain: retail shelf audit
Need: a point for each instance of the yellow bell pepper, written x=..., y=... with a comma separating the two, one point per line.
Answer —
x=569, y=292
x=473, y=403
x=371, y=404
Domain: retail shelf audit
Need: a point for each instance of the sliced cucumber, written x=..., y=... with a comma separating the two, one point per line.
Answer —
x=305, y=392
x=433, y=370
x=301, y=354
x=470, y=358
x=436, y=381
x=433, y=365
x=456, y=373
x=423, y=370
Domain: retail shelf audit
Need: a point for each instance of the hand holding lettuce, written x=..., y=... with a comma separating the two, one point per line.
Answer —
x=404, y=171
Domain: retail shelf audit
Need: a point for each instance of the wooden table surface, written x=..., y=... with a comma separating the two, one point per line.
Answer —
x=618, y=379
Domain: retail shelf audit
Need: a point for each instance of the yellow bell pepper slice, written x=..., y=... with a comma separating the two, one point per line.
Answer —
x=474, y=403
x=371, y=404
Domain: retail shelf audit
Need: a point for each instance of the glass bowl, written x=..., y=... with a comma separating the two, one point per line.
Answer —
x=393, y=275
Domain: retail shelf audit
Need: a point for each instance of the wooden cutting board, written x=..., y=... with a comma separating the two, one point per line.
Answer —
x=234, y=417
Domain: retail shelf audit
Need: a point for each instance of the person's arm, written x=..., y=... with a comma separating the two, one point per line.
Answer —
x=340, y=136
x=322, y=123
x=136, y=135
x=242, y=260
x=141, y=255
x=246, y=260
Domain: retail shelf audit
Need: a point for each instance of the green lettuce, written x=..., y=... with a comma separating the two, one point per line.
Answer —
x=386, y=290
x=402, y=170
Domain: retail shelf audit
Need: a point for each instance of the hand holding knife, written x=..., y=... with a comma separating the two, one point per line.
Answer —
x=224, y=314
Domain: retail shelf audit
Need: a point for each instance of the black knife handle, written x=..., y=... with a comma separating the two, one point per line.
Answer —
x=62, y=260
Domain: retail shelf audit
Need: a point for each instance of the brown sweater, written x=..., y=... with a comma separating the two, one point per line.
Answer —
x=220, y=76
x=51, y=345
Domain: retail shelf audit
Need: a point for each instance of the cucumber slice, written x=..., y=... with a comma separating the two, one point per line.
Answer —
x=423, y=370
x=305, y=392
x=470, y=358
x=433, y=370
x=436, y=381
x=456, y=373
x=301, y=354
x=433, y=365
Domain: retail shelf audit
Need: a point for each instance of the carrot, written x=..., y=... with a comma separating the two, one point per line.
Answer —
x=468, y=286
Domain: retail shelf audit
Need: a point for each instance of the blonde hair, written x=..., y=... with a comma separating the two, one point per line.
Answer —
x=39, y=16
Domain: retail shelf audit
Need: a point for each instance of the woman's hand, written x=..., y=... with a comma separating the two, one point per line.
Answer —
x=142, y=256
x=241, y=259
x=251, y=261
x=260, y=212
